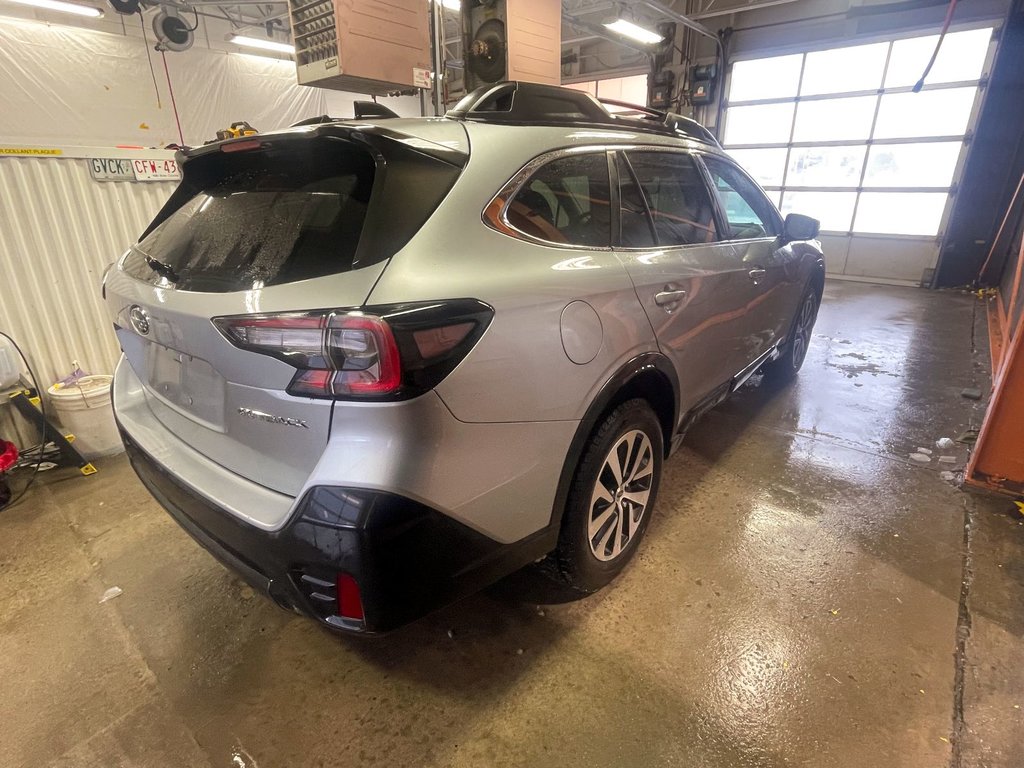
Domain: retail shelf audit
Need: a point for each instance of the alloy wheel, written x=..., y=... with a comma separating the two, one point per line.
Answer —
x=802, y=332
x=621, y=494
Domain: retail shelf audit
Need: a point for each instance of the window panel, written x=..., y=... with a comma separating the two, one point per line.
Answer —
x=677, y=196
x=566, y=202
x=636, y=228
x=774, y=78
x=744, y=205
x=852, y=121
x=834, y=119
x=842, y=70
x=760, y=124
x=962, y=57
x=900, y=213
x=928, y=113
x=912, y=165
x=833, y=209
x=825, y=166
x=765, y=165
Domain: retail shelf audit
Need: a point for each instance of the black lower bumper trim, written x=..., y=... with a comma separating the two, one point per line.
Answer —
x=407, y=559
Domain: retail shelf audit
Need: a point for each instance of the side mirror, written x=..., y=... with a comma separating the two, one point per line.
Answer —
x=800, y=227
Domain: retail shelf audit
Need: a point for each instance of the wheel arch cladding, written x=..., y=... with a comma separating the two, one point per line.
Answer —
x=655, y=387
x=818, y=279
x=650, y=377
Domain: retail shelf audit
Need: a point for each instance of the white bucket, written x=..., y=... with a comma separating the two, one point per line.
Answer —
x=85, y=411
x=10, y=365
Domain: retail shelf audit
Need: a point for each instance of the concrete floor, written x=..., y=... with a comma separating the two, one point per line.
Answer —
x=806, y=595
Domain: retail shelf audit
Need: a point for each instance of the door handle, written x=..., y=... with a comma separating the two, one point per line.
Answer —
x=669, y=297
x=757, y=273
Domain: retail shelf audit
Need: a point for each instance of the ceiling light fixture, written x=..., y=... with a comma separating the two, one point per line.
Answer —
x=634, y=31
x=263, y=45
x=452, y=5
x=61, y=7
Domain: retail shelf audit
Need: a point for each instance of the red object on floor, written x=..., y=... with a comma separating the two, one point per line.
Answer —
x=8, y=455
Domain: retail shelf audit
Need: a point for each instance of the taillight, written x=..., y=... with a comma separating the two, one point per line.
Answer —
x=387, y=352
x=336, y=353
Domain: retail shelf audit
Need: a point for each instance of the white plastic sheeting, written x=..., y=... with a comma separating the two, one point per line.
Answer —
x=59, y=229
x=74, y=86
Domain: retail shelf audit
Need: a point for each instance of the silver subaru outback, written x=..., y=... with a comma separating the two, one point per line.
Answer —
x=376, y=364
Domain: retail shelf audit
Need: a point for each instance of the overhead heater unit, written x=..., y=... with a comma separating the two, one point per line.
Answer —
x=364, y=46
x=512, y=40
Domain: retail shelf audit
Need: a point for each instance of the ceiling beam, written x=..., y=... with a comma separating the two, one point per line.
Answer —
x=752, y=6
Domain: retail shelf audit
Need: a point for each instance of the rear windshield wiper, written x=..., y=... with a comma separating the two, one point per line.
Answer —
x=162, y=269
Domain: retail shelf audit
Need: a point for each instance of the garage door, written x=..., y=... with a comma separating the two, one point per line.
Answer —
x=840, y=135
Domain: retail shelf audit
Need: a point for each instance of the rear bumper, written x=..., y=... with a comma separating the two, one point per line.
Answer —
x=406, y=558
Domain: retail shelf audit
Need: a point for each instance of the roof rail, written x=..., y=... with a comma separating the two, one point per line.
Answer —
x=650, y=111
x=318, y=120
x=519, y=103
x=362, y=110
x=689, y=126
x=671, y=120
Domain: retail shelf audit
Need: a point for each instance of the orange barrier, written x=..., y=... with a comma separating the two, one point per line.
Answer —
x=997, y=462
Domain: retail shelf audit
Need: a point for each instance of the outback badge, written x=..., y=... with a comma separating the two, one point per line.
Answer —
x=271, y=419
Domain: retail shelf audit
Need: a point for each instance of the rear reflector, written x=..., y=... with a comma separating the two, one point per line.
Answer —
x=433, y=342
x=350, y=602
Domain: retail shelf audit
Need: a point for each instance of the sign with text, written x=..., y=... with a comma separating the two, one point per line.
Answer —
x=133, y=169
x=111, y=169
x=30, y=151
x=163, y=169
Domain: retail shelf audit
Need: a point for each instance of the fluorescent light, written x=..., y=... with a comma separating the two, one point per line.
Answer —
x=634, y=31
x=60, y=7
x=452, y=5
x=264, y=45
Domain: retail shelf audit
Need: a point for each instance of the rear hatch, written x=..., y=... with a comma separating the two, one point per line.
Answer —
x=284, y=223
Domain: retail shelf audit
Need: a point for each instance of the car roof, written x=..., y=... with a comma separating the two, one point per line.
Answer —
x=519, y=103
x=537, y=139
x=518, y=120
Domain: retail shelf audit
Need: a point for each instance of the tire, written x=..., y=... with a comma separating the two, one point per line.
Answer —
x=593, y=545
x=783, y=369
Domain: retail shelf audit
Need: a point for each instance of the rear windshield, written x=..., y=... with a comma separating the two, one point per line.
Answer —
x=270, y=218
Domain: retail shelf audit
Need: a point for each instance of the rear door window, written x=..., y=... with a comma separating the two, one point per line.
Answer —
x=566, y=202
x=747, y=211
x=636, y=228
x=677, y=197
x=269, y=218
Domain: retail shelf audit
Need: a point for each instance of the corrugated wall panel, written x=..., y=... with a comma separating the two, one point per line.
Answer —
x=59, y=229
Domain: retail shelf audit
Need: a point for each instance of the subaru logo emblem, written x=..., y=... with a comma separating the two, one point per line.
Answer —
x=139, y=318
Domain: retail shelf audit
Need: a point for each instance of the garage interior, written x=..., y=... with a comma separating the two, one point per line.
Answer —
x=834, y=572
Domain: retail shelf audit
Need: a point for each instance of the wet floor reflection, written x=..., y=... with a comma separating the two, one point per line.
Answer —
x=794, y=603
